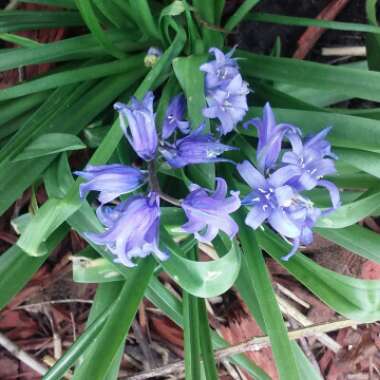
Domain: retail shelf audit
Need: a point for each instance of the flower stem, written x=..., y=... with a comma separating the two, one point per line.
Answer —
x=155, y=186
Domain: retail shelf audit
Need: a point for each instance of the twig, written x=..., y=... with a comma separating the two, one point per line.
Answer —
x=306, y=349
x=253, y=344
x=22, y=355
x=292, y=296
x=74, y=300
x=289, y=310
x=352, y=51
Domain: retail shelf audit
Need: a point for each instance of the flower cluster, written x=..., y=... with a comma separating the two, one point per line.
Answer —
x=226, y=91
x=277, y=183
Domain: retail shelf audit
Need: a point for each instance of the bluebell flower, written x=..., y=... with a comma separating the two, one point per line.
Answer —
x=270, y=199
x=132, y=229
x=195, y=148
x=220, y=71
x=173, y=117
x=304, y=215
x=208, y=214
x=228, y=105
x=270, y=136
x=138, y=123
x=110, y=180
x=313, y=157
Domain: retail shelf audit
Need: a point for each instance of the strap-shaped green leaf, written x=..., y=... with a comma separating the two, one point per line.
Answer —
x=48, y=144
x=202, y=279
x=88, y=13
x=350, y=213
x=269, y=308
x=353, y=298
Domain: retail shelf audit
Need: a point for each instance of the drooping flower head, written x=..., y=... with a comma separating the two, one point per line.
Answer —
x=132, y=229
x=208, y=213
x=226, y=92
x=195, y=148
x=138, y=123
x=271, y=136
x=220, y=71
x=110, y=180
x=228, y=105
x=174, y=117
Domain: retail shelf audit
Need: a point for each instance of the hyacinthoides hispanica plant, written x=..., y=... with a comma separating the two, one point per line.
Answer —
x=224, y=150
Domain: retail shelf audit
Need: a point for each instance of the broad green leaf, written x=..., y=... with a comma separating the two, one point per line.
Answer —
x=350, y=213
x=270, y=310
x=202, y=279
x=205, y=342
x=89, y=16
x=115, y=330
x=13, y=21
x=17, y=268
x=191, y=332
x=48, y=144
x=71, y=48
x=355, y=83
x=19, y=40
x=366, y=161
x=353, y=298
x=239, y=14
x=357, y=239
x=72, y=76
x=78, y=347
x=105, y=296
x=94, y=271
x=57, y=3
x=304, y=21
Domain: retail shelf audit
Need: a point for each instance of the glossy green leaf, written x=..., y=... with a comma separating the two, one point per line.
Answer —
x=353, y=298
x=270, y=310
x=304, y=21
x=89, y=16
x=13, y=21
x=351, y=213
x=17, y=268
x=105, y=296
x=78, y=347
x=71, y=48
x=357, y=239
x=48, y=144
x=239, y=14
x=355, y=83
x=191, y=332
x=202, y=279
x=205, y=342
x=72, y=76
x=19, y=40
x=115, y=330
x=94, y=271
